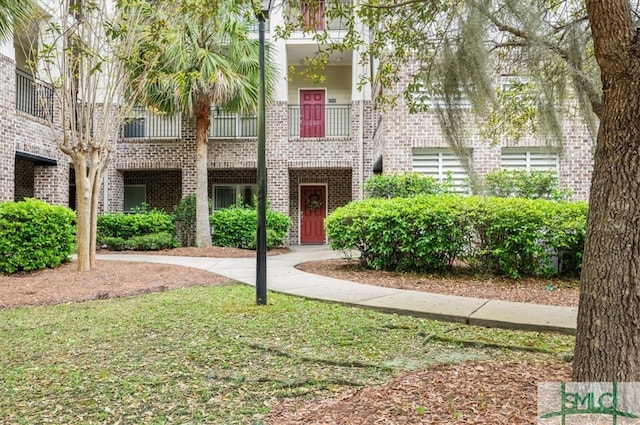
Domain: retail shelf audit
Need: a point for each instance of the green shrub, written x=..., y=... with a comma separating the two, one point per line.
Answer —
x=184, y=219
x=524, y=184
x=420, y=233
x=404, y=186
x=236, y=227
x=509, y=236
x=512, y=237
x=278, y=225
x=113, y=243
x=568, y=228
x=35, y=235
x=127, y=226
x=518, y=237
x=152, y=242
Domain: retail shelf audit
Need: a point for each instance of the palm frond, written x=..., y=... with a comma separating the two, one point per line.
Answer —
x=14, y=14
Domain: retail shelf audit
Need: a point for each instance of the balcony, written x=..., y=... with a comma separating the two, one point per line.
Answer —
x=317, y=15
x=229, y=125
x=33, y=97
x=319, y=121
x=144, y=124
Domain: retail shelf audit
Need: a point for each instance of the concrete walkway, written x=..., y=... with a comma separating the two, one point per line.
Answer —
x=282, y=276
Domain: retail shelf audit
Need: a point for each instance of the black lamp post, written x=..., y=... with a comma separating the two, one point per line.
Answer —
x=261, y=237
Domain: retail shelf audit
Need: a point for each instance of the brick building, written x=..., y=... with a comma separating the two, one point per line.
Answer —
x=323, y=141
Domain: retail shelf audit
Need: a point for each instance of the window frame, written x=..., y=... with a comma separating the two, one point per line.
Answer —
x=528, y=152
x=133, y=186
x=237, y=188
x=459, y=176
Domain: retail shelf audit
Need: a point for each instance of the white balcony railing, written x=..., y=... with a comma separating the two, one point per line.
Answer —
x=305, y=121
x=145, y=124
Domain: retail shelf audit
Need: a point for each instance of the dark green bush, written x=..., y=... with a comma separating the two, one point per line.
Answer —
x=404, y=186
x=236, y=227
x=127, y=226
x=524, y=184
x=509, y=236
x=519, y=237
x=35, y=235
x=420, y=233
x=152, y=242
x=512, y=237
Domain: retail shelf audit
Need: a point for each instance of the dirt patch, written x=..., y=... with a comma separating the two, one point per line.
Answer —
x=468, y=393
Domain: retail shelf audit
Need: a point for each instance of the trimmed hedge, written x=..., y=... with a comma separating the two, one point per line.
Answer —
x=35, y=235
x=236, y=227
x=152, y=242
x=404, y=185
x=507, y=236
x=127, y=226
x=524, y=184
x=145, y=231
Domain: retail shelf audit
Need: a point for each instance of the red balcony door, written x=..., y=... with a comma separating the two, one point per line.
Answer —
x=312, y=113
x=313, y=211
x=313, y=14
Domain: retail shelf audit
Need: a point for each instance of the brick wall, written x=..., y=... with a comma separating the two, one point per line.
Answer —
x=399, y=132
x=23, y=132
x=7, y=127
x=163, y=187
x=334, y=161
x=51, y=183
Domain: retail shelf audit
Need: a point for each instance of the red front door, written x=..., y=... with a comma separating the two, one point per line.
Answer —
x=313, y=211
x=312, y=113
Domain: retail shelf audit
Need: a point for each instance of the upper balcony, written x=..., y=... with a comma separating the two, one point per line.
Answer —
x=33, y=96
x=305, y=121
x=145, y=124
x=319, y=120
x=315, y=16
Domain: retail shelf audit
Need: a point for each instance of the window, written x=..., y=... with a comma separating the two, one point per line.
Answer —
x=422, y=98
x=529, y=159
x=225, y=196
x=134, y=196
x=441, y=164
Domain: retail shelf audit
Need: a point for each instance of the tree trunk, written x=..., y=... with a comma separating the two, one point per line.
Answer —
x=83, y=231
x=96, y=183
x=608, y=333
x=203, y=119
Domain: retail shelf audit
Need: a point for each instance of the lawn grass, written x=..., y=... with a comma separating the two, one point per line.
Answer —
x=208, y=355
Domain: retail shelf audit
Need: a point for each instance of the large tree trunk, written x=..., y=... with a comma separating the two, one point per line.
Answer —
x=88, y=182
x=83, y=218
x=608, y=334
x=96, y=183
x=203, y=119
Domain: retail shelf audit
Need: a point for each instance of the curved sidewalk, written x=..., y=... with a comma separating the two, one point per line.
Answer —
x=282, y=276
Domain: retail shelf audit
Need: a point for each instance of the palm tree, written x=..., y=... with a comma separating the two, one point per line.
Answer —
x=208, y=59
x=14, y=13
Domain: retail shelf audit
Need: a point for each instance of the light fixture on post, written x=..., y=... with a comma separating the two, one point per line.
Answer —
x=261, y=237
